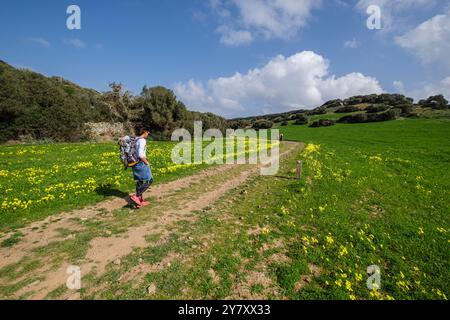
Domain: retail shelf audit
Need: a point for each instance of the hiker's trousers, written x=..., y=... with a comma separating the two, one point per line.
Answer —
x=143, y=177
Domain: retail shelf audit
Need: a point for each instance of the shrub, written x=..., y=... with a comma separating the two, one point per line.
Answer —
x=302, y=120
x=278, y=119
x=376, y=108
x=388, y=99
x=262, y=124
x=317, y=111
x=347, y=109
x=333, y=104
x=356, y=118
x=299, y=116
x=435, y=102
x=389, y=115
x=406, y=109
x=322, y=123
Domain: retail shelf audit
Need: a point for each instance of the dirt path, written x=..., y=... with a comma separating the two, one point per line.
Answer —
x=42, y=233
x=47, y=246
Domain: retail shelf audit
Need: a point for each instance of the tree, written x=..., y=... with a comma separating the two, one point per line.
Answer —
x=435, y=102
x=163, y=113
x=262, y=124
x=119, y=103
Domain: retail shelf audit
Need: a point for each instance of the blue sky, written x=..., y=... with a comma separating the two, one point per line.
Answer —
x=302, y=52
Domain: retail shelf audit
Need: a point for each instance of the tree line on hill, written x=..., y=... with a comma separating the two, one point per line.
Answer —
x=36, y=107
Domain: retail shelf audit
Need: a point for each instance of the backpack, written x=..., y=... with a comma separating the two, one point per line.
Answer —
x=128, y=151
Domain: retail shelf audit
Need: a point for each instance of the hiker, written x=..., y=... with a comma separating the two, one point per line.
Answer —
x=141, y=171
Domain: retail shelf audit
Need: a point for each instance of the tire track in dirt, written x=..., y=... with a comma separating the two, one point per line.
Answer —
x=105, y=250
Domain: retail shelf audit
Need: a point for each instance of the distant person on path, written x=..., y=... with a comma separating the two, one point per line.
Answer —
x=141, y=171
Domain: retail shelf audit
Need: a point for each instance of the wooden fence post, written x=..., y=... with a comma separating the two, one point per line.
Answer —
x=299, y=169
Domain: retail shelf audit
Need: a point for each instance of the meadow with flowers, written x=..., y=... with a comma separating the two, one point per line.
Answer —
x=371, y=195
x=40, y=180
x=374, y=194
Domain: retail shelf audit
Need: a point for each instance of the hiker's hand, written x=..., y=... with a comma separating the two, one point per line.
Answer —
x=145, y=161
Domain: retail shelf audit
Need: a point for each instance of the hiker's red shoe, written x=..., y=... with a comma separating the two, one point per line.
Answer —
x=136, y=200
x=145, y=203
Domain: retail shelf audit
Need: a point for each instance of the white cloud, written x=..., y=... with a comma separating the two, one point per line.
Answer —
x=430, y=41
x=40, y=41
x=396, y=5
x=431, y=89
x=351, y=44
x=219, y=8
x=399, y=86
x=284, y=83
x=342, y=3
x=231, y=37
x=77, y=43
x=194, y=92
x=265, y=18
x=199, y=16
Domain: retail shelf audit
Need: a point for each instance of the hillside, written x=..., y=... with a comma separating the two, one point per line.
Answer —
x=357, y=109
x=31, y=104
x=35, y=107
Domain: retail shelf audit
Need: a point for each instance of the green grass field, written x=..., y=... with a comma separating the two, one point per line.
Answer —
x=375, y=194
